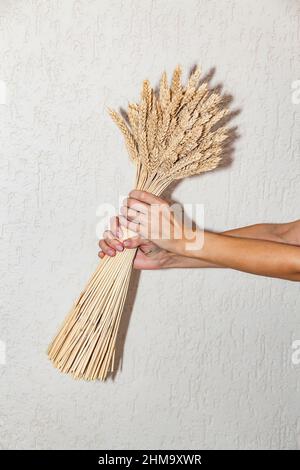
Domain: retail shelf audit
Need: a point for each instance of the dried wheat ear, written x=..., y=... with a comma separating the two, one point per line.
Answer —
x=169, y=135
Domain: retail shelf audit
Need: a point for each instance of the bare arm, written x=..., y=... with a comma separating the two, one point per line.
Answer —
x=278, y=256
x=260, y=257
x=288, y=233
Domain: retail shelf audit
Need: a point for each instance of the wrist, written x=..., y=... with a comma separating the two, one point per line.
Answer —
x=202, y=246
x=191, y=244
x=170, y=260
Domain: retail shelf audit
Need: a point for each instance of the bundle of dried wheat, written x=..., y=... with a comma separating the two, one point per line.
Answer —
x=169, y=135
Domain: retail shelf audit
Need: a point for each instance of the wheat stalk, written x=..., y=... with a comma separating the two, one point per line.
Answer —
x=168, y=136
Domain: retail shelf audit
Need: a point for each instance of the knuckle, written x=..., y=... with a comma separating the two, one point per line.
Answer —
x=133, y=205
x=131, y=213
x=139, y=206
x=109, y=235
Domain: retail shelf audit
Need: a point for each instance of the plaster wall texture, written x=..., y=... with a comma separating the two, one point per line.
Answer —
x=207, y=358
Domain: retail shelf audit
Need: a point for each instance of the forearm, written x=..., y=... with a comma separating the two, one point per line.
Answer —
x=174, y=260
x=279, y=233
x=261, y=257
x=271, y=232
x=258, y=249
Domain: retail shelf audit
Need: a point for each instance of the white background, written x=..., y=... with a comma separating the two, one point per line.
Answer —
x=207, y=359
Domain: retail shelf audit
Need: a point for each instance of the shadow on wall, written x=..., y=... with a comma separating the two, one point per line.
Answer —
x=226, y=161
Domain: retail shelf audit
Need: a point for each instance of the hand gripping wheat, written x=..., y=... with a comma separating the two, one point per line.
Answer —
x=169, y=135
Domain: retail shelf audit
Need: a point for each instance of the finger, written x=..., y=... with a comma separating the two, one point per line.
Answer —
x=133, y=216
x=101, y=254
x=135, y=204
x=133, y=242
x=112, y=241
x=115, y=227
x=107, y=250
x=130, y=214
x=128, y=224
x=148, y=198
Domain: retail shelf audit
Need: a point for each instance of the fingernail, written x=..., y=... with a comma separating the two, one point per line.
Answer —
x=111, y=252
x=126, y=243
x=119, y=248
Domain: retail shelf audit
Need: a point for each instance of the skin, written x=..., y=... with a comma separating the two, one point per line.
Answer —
x=271, y=250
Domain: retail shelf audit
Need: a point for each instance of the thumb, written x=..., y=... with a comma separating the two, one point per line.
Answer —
x=133, y=242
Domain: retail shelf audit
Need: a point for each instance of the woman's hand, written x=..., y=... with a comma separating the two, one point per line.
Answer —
x=152, y=218
x=148, y=256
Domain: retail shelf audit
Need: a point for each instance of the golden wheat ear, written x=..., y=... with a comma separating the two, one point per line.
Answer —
x=128, y=136
x=176, y=86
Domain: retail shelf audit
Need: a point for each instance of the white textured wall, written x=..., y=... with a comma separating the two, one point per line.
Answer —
x=207, y=360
